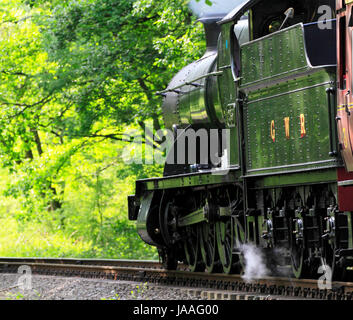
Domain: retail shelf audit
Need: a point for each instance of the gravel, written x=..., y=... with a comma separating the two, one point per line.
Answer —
x=73, y=288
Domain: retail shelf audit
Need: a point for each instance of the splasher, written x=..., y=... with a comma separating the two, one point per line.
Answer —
x=201, y=8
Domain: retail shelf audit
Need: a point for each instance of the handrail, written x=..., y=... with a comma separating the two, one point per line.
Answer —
x=190, y=83
x=331, y=93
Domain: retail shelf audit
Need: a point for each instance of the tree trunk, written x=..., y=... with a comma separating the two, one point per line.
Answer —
x=37, y=141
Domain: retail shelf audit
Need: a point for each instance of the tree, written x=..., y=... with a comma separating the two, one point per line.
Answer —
x=75, y=73
x=114, y=55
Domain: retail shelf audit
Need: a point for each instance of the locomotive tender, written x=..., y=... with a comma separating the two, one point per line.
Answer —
x=280, y=80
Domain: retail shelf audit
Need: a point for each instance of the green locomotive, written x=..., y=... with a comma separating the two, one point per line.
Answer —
x=274, y=87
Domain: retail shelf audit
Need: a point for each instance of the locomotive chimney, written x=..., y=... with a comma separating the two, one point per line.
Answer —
x=212, y=30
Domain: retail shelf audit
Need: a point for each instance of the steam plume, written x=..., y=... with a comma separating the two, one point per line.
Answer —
x=255, y=267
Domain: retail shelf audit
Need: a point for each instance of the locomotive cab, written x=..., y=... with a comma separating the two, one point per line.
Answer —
x=269, y=31
x=261, y=20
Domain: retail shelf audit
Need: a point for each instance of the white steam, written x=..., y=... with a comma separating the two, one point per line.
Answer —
x=255, y=266
x=221, y=7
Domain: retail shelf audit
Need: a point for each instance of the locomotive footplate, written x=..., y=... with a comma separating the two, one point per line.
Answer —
x=204, y=178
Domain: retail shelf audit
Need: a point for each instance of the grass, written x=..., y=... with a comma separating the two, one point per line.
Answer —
x=78, y=230
x=33, y=240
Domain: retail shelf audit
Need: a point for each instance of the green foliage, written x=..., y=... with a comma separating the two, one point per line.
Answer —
x=102, y=47
x=91, y=223
x=74, y=75
x=77, y=70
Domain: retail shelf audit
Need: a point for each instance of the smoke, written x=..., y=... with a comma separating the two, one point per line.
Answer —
x=218, y=7
x=255, y=266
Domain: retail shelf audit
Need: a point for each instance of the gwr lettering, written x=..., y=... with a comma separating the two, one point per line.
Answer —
x=287, y=128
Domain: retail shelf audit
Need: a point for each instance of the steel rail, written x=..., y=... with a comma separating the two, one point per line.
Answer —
x=83, y=261
x=152, y=272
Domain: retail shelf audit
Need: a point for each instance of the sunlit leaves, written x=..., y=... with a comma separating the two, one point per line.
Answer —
x=75, y=73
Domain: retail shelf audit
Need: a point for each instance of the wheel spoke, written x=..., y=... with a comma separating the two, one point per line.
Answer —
x=191, y=249
x=208, y=247
x=225, y=242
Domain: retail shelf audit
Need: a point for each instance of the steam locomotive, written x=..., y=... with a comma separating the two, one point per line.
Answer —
x=277, y=79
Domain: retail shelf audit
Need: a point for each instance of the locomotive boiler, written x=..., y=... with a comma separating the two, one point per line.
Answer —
x=277, y=79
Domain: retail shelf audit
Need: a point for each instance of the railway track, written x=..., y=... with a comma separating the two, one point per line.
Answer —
x=152, y=272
